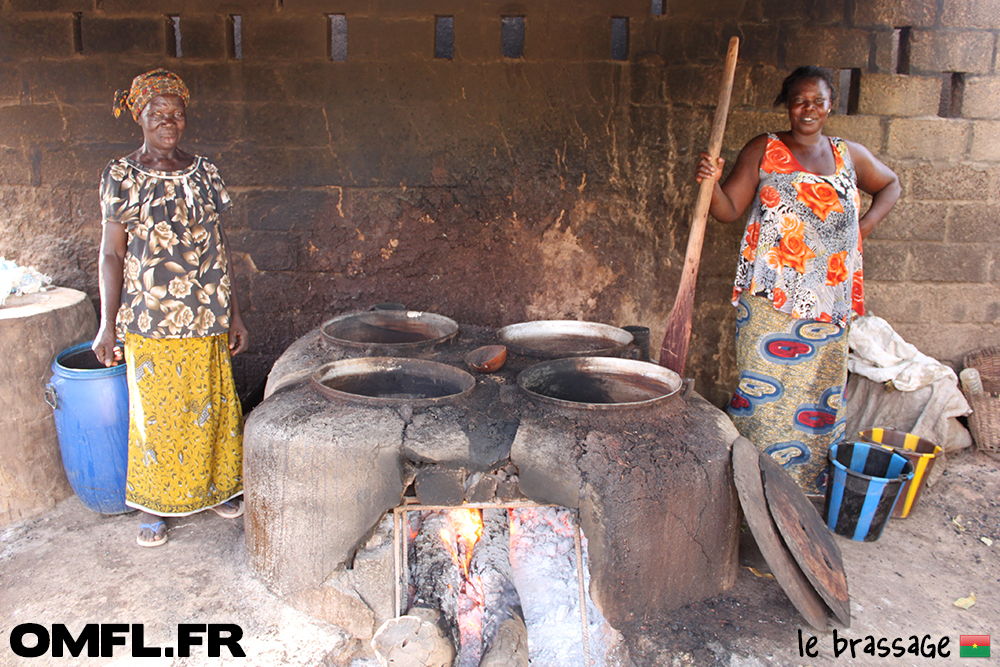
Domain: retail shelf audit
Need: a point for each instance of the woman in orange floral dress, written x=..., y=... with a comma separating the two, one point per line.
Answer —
x=799, y=277
x=166, y=290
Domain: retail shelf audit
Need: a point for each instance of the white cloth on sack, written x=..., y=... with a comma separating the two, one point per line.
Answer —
x=892, y=384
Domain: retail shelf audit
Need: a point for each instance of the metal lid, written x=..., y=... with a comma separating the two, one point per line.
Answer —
x=785, y=568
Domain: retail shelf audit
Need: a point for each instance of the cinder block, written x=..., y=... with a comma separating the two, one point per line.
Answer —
x=743, y=126
x=983, y=14
x=763, y=85
x=985, y=141
x=26, y=39
x=15, y=167
x=269, y=251
x=775, y=10
x=52, y=5
x=691, y=40
x=899, y=302
x=827, y=47
x=760, y=43
x=967, y=304
x=285, y=210
x=949, y=343
x=885, y=58
x=942, y=51
x=203, y=36
x=674, y=9
x=980, y=97
x=913, y=221
x=945, y=182
x=267, y=37
x=895, y=13
x=975, y=223
x=287, y=126
x=866, y=130
x=10, y=84
x=94, y=123
x=938, y=138
x=80, y=165
x=124, y=35
x=887, y=261
x=898, y=95
x=30, y=123
x=950, y=263
x=181, y=7
x=70, y=81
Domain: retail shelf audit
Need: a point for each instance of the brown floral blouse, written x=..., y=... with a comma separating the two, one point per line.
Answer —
x=176, y=282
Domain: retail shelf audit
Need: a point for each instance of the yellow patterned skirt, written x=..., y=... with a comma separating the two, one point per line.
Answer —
x=185, y=436
x=790, y=398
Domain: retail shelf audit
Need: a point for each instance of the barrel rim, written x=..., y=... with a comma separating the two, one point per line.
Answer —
x=83, y=373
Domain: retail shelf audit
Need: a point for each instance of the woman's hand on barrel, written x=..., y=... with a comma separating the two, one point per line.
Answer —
x=106, y=349
x=707, y=170
x=239, y=336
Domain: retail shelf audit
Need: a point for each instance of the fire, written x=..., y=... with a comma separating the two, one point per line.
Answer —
x=466, y=529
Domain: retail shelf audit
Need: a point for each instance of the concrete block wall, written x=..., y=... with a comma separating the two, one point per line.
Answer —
x=495, y=190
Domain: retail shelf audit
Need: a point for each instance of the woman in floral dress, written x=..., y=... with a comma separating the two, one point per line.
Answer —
x=166, y=291
x=799, y=277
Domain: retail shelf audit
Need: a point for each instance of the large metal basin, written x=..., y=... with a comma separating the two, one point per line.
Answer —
x=553, y=339
x=392, y=380
x=599, y=383
x=389, y=329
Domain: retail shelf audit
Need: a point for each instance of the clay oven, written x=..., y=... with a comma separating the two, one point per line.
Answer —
x=350, y=428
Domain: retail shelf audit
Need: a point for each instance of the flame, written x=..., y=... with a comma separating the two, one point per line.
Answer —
x=466, y=529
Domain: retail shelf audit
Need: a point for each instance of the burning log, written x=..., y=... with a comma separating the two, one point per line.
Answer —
x=504, y=635
x=435, y=577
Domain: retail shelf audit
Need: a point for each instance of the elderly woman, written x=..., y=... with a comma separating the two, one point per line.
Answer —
x=166, y=290
x=799, y=279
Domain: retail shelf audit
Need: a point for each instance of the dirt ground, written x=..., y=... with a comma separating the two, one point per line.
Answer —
x=74, y=567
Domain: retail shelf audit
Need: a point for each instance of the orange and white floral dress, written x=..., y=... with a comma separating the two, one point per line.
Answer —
x=798, y=285
x=802, y=245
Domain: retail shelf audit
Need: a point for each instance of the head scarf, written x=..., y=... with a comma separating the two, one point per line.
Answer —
x=147, y=86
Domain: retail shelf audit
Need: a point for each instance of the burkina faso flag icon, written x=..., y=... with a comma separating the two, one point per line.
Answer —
x=974, y=646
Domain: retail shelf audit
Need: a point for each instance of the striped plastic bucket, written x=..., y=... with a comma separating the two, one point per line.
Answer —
x=863, y=483
x=920, y=452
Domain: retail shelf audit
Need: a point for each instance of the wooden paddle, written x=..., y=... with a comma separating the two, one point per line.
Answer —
x=673, y=352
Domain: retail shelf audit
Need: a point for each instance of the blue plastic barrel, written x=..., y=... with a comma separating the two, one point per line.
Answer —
x=90, y=403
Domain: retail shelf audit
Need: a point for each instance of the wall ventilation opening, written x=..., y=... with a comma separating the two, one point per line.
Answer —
x=512, y=36
x=658, y=9
x=619, y=38
x=338, y=36
x=850, y=90
x=444, y=37
x=77, y=32
x=234, y=39
x=901, y=38
x=952, y=90
x=174, y=36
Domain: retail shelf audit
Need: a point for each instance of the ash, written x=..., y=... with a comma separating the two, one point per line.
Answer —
x=543, y=559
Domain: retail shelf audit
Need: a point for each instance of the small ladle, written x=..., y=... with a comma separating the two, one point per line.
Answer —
x=487, y=359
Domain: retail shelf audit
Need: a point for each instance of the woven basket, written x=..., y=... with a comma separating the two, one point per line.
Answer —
x=984, y=422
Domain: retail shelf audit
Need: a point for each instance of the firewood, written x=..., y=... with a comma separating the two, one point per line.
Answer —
x=504, y=636
x=435, y=578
